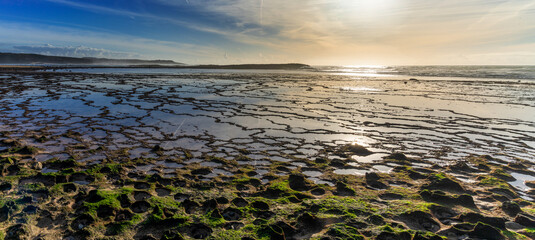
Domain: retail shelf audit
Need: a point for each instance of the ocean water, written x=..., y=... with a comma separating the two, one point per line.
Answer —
x=456, y=72
x=444, y=114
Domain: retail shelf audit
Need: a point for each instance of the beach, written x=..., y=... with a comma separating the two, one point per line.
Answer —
x=330, y=153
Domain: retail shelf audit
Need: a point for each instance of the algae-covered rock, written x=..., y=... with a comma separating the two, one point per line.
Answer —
x=17, y=232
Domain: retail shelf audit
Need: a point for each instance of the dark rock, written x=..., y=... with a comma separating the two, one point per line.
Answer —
x=394, y=236
x=233, y=225
x=190, y=206
x=443, y=214
x=443, y=198
x=141, y=195
x=201, y=171
x=375, y=219
x=232, y=214
x=415, y=175
x=240, y=202
x=93, y=197
x=141, y=185
x=472, y=217
x=373, y=180
x=105, y=211
x=82, y=221
x=343, y=190
x=530, y=184
x=199, y=231
x=484, y=231
x=318, y=191
x=25, y=200
x=30, y=209
x=140, y=207
x=506, y=193
x=45, y=220
x=216, y=214
x=148, y=237
x=420, y=236
x=397, y=156
x=123, y=215
x=222, y=200
x=172, y=235
x=279, y=230
x=209, y=205
x=69, y=187
x=337, y=163
x=163, y=192
x=81, y=178
x=242, y=187
x=525, y=220
x=443, y=184
x=181, y=196
x=17, y=232
x=125, y=200
x=263, y=214
x=298, y=182
x=307, y=225
x=5, y=186
x=390, y=196
x=5, y=212
x=356, y=149
x=511, y=208
x=157, y=148
x=260, y=205
x=419, y=220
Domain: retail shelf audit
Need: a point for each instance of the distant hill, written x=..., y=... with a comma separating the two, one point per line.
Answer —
x=25, y=58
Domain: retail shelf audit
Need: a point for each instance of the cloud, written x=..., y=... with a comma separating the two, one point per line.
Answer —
x=321, y=31
x=24, y=35
x=70, y=51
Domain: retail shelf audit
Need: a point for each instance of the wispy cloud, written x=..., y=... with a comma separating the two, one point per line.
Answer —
x=24, y=35
x=72, y=51
x=331, y=31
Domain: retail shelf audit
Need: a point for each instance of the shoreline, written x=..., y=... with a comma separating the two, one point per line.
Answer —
x=100, y=157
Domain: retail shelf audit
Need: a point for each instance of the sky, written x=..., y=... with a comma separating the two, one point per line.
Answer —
x=316, y=32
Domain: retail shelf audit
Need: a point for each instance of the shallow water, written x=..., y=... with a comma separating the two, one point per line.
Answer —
x=273, y=115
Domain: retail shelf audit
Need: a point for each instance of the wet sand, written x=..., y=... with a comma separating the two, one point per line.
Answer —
x=264, y=155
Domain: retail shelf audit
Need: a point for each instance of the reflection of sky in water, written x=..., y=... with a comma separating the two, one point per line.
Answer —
x=284, y=114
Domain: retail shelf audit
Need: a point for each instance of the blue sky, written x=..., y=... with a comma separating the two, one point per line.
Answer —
x=319, y=32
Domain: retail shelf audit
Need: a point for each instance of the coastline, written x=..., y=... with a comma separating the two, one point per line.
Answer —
x=84, y=157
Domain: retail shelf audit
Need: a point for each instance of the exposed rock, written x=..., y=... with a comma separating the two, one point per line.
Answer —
x=140, y=207
x=199, y=231
x=419, y=220
x=240, y=202
x=141, y=195
x=525, y=220
x=343, y=190
x=17, y=232
x=373, y=180
x=511, y=208
x=472, y=217
x=484, y=231
x=298, y=182
x=443, y=214
x=443, y=183
x=356, y=149
x=261, y=205
x=279, y=230
x=82, y=221
x=443, y=198
x=397, y=156
x=232, y=214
